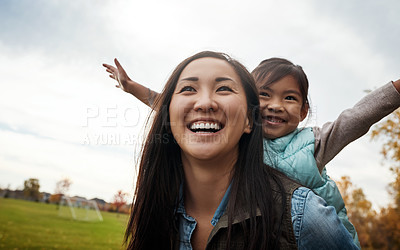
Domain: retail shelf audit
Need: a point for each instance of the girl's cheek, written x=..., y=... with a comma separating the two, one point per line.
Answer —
x=263, y=104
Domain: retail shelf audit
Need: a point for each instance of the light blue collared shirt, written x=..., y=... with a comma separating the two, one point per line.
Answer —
x=187, y=224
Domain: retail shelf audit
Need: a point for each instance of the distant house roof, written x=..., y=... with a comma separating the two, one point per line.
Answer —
x=79, y=197
x=100, y=201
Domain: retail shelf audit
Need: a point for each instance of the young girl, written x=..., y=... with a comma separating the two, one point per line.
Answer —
x=301, y=153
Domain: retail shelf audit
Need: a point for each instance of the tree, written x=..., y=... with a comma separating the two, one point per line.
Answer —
x=359, y=210
x=389, y=131
x=387, y=229
x=31, y=189
x=119, y=200
x=62, y=186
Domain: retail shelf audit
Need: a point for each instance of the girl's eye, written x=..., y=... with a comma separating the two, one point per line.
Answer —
x=290, y=98
x=187, y=89
x=265, y=94
x=224, y=88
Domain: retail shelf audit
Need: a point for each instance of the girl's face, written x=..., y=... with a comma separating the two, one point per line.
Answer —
x=208, y=110
x=281, y=105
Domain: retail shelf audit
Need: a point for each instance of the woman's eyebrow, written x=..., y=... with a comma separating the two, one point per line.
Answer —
x=221, y=79
x=191, y=79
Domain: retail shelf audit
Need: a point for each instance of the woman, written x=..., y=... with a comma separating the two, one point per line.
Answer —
x=201, y=179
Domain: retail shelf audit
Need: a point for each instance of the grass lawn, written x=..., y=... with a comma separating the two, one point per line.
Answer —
x=32, y=225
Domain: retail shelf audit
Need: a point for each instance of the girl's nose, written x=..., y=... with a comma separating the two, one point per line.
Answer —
x=206, y=103
x=275, y=106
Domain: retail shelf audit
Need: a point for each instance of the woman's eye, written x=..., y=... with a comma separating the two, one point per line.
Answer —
x=224, y=88
x=265, y=94
x=187, y=89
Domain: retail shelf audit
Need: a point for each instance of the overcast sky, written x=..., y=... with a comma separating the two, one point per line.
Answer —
x=61, y=116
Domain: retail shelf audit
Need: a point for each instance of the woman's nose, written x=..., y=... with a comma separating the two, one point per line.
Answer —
x=206, y=102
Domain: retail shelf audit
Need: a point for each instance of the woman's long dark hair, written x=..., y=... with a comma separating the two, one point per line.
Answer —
x=153, y=221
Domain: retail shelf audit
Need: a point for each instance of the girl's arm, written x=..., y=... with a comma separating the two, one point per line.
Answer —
x=355, y=122
x=144, y=94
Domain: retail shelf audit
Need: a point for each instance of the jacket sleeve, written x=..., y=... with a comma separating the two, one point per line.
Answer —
x=316, y=225
x=354, y=123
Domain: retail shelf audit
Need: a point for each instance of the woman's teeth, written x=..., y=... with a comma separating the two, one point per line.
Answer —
x=205, y=127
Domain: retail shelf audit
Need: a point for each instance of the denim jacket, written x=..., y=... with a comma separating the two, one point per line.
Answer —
x=315, y=225
x=293, y=155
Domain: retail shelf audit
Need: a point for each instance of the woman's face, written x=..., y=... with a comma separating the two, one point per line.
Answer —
x=208, y=110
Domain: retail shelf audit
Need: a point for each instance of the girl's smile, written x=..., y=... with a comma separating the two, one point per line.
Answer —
x=282, y=107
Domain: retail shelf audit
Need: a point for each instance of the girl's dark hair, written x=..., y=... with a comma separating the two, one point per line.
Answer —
x=153, y=220
x=274, y=69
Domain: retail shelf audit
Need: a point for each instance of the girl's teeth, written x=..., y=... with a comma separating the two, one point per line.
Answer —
x=275, y=119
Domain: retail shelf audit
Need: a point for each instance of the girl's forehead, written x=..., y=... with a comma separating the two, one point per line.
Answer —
x=287, y=81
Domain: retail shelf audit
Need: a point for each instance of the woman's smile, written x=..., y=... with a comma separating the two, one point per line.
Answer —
x=208, y=110
x=205, y=126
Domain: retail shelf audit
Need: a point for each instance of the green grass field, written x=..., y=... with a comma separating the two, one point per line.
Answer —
x=32, y=225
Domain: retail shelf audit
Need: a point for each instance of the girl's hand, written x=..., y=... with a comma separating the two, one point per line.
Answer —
x=397, y=85
x=118, y=73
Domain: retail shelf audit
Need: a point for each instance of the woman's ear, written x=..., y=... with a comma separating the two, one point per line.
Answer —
x=247, y=129
x=304, y=111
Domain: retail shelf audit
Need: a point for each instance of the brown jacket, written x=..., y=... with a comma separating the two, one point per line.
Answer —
x=218, y=236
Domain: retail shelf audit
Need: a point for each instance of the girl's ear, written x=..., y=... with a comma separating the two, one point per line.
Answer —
x=247, y=129
x=304, y=111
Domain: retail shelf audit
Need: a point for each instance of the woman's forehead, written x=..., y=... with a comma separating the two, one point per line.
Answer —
x=208, y=66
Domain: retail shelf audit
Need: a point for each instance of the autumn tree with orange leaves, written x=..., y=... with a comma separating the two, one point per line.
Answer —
x=120, y=199
x=359, y=210
x=388, y=225
x=62, y=188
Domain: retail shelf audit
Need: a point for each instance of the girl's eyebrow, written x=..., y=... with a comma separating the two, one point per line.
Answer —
x=290, y=91
x=265, y=88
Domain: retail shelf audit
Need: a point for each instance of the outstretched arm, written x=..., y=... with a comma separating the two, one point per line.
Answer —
x=355, y=122
x=144, y=94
